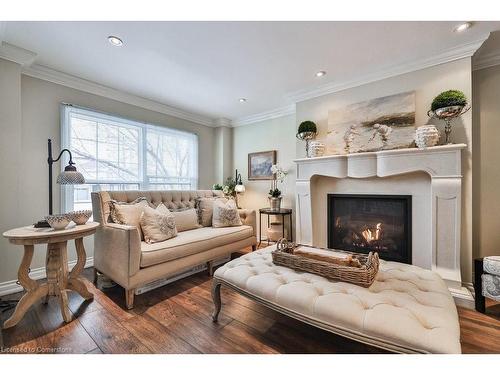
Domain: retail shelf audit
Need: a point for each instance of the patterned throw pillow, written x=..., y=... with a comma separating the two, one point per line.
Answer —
x=225, y=214
x=205, y=208
x=128, y=213
x=158, y=224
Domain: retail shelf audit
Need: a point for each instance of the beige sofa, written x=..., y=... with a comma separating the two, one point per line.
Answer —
x=120, y=254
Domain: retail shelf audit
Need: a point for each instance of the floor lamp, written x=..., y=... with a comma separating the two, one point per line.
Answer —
x=70, y=176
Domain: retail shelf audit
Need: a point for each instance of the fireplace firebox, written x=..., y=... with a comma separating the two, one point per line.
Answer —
x=363, y=223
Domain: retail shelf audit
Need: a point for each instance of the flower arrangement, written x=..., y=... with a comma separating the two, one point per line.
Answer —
x=228, y=188
x=279, y=176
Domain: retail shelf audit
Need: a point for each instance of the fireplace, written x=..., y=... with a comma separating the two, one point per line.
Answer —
x=363, y=223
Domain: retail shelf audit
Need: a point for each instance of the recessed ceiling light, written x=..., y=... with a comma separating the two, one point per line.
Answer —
x=462, y=27
x=114, y=40
x=321, y=73
x=242, y=100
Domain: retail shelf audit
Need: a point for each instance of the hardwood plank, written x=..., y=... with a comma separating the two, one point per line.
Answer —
x=200, y=335
x=110, y=335
x=249, y=339
x=147, y=330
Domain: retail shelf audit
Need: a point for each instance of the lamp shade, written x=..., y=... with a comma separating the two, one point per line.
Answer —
x=239, y=188
x=70, y=176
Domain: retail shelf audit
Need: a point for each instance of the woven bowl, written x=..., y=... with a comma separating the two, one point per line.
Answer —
x=59, y=221
x=80, y=217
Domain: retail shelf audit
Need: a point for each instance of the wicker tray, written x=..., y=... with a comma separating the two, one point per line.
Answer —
x=363, y=276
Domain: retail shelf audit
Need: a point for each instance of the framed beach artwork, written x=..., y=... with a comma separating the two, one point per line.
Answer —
x=383, y=123
x=259, y=165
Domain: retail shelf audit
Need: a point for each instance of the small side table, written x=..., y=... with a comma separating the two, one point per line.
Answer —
x=270, y=212
x=59, y=280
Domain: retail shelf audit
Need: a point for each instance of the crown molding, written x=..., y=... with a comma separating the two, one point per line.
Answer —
x=222, y=122
x=16, y=54
x=449, y=55
x=263, y=116
x=486, y=60
x=60, y=78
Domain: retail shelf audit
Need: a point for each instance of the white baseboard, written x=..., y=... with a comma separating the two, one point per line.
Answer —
x=9, y=287
x=463, y=297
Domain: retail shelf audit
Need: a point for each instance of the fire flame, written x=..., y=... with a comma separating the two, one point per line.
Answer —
x=372, y=234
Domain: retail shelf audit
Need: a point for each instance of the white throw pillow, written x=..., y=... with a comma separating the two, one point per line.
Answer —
x=186, y=220
x=128, y=213
x=225, y=214
x=157, y=224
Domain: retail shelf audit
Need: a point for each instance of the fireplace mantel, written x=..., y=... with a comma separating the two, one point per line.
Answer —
x=441, y=163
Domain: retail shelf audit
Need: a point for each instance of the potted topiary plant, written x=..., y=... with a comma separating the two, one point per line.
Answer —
x=307, y=131
x=446, y=106
x=450, y=98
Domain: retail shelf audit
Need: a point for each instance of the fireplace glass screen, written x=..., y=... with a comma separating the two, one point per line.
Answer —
x=364, y=223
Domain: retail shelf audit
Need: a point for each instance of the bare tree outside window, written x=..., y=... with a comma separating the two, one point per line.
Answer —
x=122, y=155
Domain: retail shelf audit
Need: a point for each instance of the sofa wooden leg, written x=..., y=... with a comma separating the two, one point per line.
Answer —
x=254, y=247
x=210, y=268
x=95, y=276
x=129, y=298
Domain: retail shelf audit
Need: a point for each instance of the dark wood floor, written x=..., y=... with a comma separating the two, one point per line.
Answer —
x=176, y=319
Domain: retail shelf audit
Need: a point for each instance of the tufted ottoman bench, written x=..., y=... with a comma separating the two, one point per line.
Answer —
x=407, y=309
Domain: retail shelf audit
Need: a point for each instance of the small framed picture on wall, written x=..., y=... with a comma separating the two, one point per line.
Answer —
x=259, y=165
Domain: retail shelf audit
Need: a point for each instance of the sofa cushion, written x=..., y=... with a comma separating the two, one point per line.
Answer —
x=491, y=265
x=157, y=224
x=205, y=208
x=191, y=242
x=186, y=220
x=129, y=213
x=225, y=214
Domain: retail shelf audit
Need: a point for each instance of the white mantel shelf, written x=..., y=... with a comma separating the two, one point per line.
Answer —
x=441, y=163
x=438, y=161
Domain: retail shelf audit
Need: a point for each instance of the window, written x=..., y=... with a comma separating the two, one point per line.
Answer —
x=113, y=153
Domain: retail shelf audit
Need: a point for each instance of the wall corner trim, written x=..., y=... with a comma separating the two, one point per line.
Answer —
x=486, y=60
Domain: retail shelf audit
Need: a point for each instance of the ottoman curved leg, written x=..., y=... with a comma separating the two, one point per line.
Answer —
x=216, y=298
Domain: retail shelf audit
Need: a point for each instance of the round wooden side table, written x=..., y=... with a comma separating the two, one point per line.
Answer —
x=59, y=280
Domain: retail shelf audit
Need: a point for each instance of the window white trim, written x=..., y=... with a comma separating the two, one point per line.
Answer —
x=67, y=110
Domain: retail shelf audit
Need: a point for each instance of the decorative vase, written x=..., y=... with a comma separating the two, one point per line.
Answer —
x=316, y=149
x=426, y=136
x=306, y=136
x=275, y=231
x=275, y=203
x=447, y=114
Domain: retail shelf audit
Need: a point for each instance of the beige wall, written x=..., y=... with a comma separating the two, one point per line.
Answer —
x=30, y=115
x=486, y=201
x=427, y=83
x=276, y=134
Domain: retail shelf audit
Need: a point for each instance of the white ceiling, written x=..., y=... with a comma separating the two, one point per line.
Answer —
x=205, y=67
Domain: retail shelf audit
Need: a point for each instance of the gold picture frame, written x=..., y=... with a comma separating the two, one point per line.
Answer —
x=259, y=165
